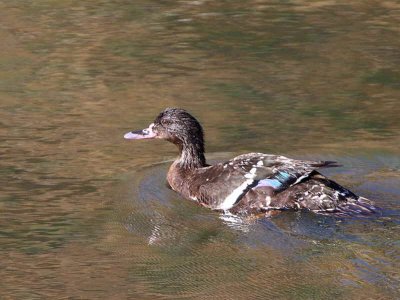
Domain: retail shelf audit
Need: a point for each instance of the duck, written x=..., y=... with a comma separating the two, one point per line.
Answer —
x=248, y=184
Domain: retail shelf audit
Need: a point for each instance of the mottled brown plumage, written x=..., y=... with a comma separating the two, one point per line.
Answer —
x=249, y=183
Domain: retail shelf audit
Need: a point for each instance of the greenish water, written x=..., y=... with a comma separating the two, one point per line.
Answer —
x=86, y=214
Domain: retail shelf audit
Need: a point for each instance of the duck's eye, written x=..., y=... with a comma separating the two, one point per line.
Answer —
x=165, y=122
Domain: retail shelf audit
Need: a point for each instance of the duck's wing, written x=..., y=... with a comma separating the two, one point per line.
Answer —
x=221, y=186
x=280, y=172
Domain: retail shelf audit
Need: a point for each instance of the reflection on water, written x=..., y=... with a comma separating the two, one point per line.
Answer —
x=82, y=217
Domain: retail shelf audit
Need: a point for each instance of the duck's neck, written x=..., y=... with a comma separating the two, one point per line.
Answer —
x=191, y=156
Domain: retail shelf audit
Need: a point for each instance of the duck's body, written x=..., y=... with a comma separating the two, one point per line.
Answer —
x=249, y=183
x=257, y=182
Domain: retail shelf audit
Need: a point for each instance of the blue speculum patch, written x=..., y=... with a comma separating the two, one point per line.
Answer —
x=274, y=183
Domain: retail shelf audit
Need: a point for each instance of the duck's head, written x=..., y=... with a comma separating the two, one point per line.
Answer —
x=174, y=125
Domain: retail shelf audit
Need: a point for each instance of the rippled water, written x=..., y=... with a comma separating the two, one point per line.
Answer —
x=85, y=214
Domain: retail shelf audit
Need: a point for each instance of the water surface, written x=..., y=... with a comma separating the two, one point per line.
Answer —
x=85, y=214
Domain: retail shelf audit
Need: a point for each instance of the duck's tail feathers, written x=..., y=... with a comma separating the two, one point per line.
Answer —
x=326, y=164
x=361, y=207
